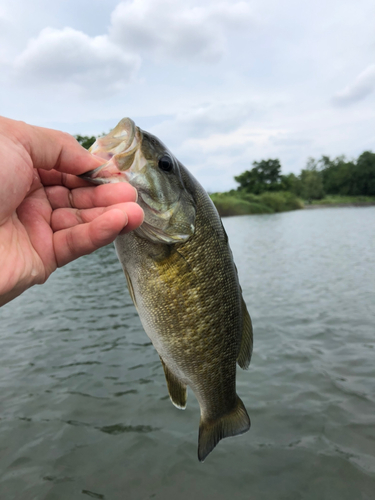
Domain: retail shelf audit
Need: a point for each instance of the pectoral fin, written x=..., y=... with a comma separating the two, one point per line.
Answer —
x=246, y=347
x=130, y=287
x=177, y=390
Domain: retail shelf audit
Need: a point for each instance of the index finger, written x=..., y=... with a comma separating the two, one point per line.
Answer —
x=51, y=149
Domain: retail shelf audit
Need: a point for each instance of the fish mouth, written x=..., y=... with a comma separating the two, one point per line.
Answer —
x=104, y=175
x=119, y=149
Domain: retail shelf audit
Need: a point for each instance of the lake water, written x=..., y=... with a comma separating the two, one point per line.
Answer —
x=84, y=409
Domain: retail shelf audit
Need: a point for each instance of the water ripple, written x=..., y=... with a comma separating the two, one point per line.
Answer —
x=121, y=428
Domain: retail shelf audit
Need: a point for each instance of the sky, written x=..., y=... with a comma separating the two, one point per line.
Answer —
x=221, y=83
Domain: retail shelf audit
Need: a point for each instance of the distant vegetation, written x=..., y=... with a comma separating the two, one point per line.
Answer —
x=337, y=199
x=85, y=140
x=240, y=203
x=264, y=189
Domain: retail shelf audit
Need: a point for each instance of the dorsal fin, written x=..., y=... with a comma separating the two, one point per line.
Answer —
x=177, y=390
x=246, y=347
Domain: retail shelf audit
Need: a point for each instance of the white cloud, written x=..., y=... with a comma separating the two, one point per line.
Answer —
x=243, y=136
x=362, y=86
x=98, y=66
x=216, y=118
x=206, y=120
x=169, y=29
x=69, y=57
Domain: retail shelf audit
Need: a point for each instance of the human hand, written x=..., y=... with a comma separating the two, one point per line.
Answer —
x=48, y=216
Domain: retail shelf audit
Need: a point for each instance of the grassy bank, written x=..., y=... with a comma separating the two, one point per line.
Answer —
x=236, y=203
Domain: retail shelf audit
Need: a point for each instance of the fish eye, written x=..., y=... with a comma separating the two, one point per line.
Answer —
x=165, y=164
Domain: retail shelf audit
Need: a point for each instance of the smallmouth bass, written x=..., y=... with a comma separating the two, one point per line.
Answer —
x=182, y=279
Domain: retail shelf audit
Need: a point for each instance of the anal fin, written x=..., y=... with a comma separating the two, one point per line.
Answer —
x=177, y=390
x=246, y=347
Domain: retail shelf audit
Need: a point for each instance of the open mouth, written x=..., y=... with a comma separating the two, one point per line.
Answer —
x=119, y=149
x=104, y=174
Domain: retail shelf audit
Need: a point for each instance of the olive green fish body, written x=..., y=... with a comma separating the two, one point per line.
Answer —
x=188, y=299
x=190, y=302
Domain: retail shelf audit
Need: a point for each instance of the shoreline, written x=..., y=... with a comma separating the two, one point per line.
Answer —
x=359, y=204
x=229, y=204
x=339, y=205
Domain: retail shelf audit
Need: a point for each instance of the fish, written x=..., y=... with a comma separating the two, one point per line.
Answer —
x=182, y=279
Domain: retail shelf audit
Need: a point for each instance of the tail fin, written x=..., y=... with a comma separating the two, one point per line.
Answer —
x=212, y=431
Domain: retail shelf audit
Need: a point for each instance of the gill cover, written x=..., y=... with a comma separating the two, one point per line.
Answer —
x=139, y=158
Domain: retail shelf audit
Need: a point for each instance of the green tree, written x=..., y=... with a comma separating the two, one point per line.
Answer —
x=291, y=183
x=336, y=175
x=311, y=185
x=311, y=181
x=85, y=140
x=265, y=176
x=364, y=175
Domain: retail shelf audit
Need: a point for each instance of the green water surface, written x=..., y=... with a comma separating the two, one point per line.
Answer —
x=84, y=409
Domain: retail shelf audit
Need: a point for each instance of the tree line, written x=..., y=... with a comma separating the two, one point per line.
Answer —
x=319, y=178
